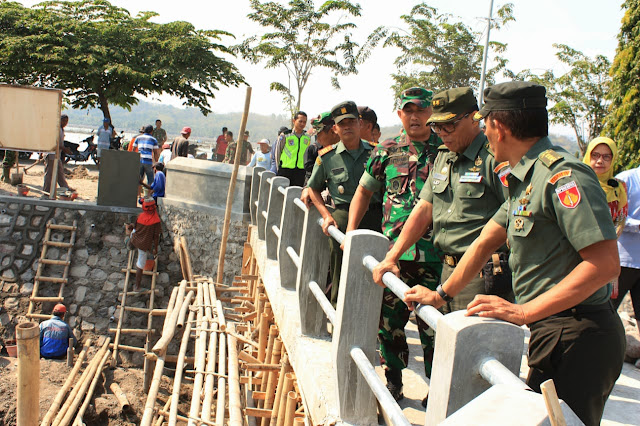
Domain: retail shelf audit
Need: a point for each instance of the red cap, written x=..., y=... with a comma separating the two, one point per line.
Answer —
x=185, y=130
x=60, y=308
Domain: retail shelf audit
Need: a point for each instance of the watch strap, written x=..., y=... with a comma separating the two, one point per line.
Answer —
x=443, y=294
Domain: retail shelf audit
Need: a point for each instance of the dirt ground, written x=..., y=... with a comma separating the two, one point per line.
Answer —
x=83, y=177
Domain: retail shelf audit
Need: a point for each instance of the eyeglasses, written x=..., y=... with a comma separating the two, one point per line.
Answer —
x=605, y=157
x=437, y=128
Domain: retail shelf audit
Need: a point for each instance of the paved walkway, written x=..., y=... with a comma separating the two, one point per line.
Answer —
x=623, y=406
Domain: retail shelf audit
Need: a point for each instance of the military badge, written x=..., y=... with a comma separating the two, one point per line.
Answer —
x=478, y=162
x=343, y=110
x=470, y=177
x=341, y=189
x=529, y=188
x=504, y=174
x=394, y=185
x=569, y=195
x=318, y=161
x=518, y=225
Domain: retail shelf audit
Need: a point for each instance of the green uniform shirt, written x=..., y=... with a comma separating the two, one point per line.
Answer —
x=400, y=168
x=555, y=208
x=230, y=154
x=465, y=193
x=340, y=170
x=160, y=135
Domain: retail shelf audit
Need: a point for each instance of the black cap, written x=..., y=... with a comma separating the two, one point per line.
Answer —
x=449, y=104
x=148, y=128
x=368, y=114
x=284, y=129
x=513, y=95
x=347, y=109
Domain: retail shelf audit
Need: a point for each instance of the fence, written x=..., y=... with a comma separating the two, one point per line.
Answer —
x=471, y=354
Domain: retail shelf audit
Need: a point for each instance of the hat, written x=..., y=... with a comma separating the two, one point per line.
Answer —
x=321, y=121
x=264, y=141
x=105, y=120
x=246, y=132
x=368, y=114
x=513, y=95
x=416, y=95
x=166, y=145
x=451, y=103
x=347, y=109
x=283, y=129
x=185, y=130
x=148, y=128
x=59, y=308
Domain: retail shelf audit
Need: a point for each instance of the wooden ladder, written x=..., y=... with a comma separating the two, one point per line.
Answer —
x=40, y=278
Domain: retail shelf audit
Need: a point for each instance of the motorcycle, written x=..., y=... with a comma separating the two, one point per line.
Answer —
x=116, y=142
x=89, y=152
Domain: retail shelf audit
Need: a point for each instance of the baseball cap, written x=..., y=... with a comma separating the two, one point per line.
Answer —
x=59, y=308
x=105, y=120
x=167, y=145
x=367, y=114
x=265, y=141
x=449, y=104
x=347, y=109
x=321, y=121
x=512, y=95
x=416, y=95
x=185, y=130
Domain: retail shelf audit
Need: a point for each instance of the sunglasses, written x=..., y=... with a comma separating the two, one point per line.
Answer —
x=437, y=128
x=416, y=92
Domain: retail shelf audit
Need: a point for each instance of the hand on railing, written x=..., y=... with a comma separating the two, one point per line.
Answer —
x=306, y=197
x=496, y=307
x=382, y=268
x=327, y=222
x=423, y=296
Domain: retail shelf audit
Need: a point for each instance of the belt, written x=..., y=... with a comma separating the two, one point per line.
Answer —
x=452, y=259
x=345, y=206
x=583, y=309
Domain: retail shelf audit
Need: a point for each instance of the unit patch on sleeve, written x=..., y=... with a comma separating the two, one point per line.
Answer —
x=569, y=195
x=503, y=170
x=555, y=178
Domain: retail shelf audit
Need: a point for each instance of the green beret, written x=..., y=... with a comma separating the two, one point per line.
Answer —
x=451, y=103
x=511, y=96
x=347, y=109
x=321, y=121
x=416, y=95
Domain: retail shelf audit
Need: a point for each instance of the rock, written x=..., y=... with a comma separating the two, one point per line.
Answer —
x=5, y=319
x=87, y=326
x=82, y=253
x=173, y=267
x=26, y=289
x=79, y=271
x=98, y=275
x=73, y=308
x=11, y=303
x=102, y=324
x=72, y=321
x=80, y=293
x=121, y=284
x=115, y=276
x=108, y=286
x=53, y=253
x=27, y=275
x=173, y=257
x=111, y=240
x=85, y=311
x=111, y=311
x=163, y=278
x=632, y=335
x=92, y=260
x=114, y=252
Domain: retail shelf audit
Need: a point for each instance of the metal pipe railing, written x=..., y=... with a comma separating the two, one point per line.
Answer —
x=294, y=256
x=324, y=303
x=298, y=202
x=494, y=372
x=264, y=214
x=337, y=234
x=388, y=404
x=282, y=189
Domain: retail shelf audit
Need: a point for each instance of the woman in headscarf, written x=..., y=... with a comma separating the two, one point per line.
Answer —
x=145, y=236
x=600, y=155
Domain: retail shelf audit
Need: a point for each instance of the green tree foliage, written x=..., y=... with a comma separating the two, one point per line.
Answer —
x=100, y=55
x=623, y=121
x=302, y=39
x=578, y=97
x=439, y=52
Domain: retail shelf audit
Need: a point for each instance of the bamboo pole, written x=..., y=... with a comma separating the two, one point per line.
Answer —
x=221, y=319
x=28, y=342
x=272, y=377
x=284, y=369
x=116, y=340
x=46, y=421
x=221, y=381
x=263, y=337
x=201, y=357
x=120, y=396
x=290, y=412
x=209, y=295
x=187, y=258
x=148, y=364
x=273, y=332
x=232, y=187
x=176, y=314
x=70, y=353
x=288, y=385
x=92, y=388
x=183, y=309
x=161, y=415
x=172, y=302
x=235, y=406
x=147, y=415
x=177, y=380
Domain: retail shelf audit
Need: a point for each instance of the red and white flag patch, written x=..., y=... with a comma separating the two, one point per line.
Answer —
x=569, y=195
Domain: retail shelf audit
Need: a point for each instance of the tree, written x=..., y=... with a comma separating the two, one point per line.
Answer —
x=440, y=52
x=578, y=96
x=300, y=39
x=100, y=55
x=623, y=121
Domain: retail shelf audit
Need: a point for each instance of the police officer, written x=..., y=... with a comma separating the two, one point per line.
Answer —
x=399, y=167
x=563, y=255
x=461, y=194
x=339, y=168
x=290, y=151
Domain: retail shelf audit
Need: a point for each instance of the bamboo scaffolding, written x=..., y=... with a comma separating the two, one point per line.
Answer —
x=183, y=310
x=177, y=381
x=209, y=297
x=220, y=407
x=46, y=421
x=264, y=336
x=161, y=416
x=116, y=340
x=200, y=355
x=272, y=377
x=92, y=388
x=147, y=364
x=169, y=330
x=187, y=258
x=235, y=406
x=287, y=387
x=290, y=412
x=285, y=368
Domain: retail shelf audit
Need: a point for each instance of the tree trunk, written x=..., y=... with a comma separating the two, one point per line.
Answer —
x=104, y=107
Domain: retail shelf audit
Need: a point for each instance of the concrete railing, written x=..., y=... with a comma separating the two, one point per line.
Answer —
x=472, y=354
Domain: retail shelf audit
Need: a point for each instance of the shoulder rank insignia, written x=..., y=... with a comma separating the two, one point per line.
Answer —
x=569, y=195
x=549, y=157
x=326, y=149
x=555, y=178
x=318, y=160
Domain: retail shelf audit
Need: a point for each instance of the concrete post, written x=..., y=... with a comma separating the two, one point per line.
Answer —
x=263, y=202
x=358, y=315
x=255, y=188
x=290, y=236
x=274, y=215
x=314, y=254
x=462, y=343
x=28, y=340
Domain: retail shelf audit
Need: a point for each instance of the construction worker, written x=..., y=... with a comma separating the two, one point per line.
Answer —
x=55, y=334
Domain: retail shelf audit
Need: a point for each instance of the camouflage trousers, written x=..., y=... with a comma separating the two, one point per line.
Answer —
x=394, y=315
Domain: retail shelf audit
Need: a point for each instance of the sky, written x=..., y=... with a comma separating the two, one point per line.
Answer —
x=538, y=25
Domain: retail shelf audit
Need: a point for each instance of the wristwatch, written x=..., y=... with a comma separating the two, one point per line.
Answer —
x=443, y=294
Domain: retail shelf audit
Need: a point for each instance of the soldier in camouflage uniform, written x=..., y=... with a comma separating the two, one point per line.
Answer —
x=399, y=167
x=230, y=155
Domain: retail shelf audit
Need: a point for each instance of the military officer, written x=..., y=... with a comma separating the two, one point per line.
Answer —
x=339, y=168
x=461, y=194
x=399, y=167
x=563, y=255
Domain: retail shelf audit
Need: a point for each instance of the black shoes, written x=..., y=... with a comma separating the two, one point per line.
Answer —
x=394, y=383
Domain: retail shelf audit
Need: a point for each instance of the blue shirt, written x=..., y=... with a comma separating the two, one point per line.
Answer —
x=145, y=144
x=261, y=160
x=158, y=184
x=54, y=337
x=272, y=161
x=629, y=241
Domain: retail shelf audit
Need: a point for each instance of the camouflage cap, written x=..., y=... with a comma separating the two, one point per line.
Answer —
x=347, y=109
x=513, y=95
x=416, y=95
x=321, y=121
x=368, y=114
x=449, y=104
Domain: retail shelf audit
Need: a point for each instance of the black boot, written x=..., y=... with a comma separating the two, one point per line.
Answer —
x=394, y=383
